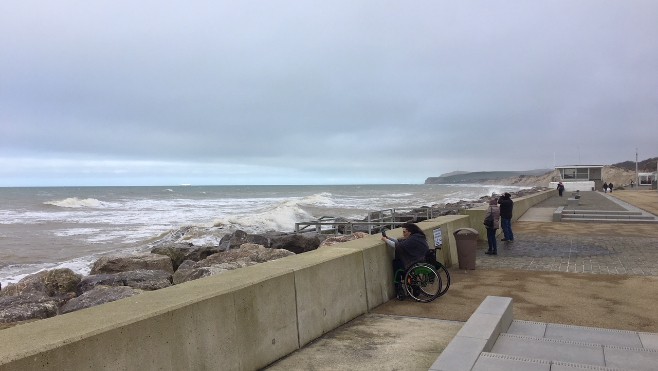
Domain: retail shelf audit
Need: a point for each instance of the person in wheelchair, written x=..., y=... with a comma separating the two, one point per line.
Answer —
x=410, y=249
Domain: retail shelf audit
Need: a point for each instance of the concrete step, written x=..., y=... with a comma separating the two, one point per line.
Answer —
x=549, y=349
x=594, y=335
x=631, y=358
x=596, y=216
x=502, y=362
x=600, y=212
x=583, y=353
x=604, y=220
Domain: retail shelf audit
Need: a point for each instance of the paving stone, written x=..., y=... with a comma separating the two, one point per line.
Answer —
x=576, y=254
x=631, y=359
x=568, y=366
x=549, y=349
x=501, y=362
x=649, y=340
x=527, y=328
x=593, y=335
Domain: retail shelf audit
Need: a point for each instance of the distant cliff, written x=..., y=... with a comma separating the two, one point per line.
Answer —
x=460, y=177
x=531, y=178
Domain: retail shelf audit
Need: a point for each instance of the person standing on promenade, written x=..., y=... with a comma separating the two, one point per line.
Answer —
x=506, y=206
x=610, y=186
x=605, y=187
x=491, y=222
x=410, y=249
x=560, y=188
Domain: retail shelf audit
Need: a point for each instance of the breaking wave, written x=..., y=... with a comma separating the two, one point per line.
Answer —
x=74, y=202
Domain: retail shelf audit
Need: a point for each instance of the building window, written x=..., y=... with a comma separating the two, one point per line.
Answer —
x=575, y=173
x=582, y=174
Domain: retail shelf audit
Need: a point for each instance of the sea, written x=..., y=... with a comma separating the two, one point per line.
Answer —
x=71, y=227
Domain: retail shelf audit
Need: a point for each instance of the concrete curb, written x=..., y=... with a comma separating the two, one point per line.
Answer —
x=479, y=333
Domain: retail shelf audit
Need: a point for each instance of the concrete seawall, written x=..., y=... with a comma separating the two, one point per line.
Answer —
x=521, y=205
x=239, y=320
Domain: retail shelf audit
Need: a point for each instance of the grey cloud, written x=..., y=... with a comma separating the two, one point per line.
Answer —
x=348, y=90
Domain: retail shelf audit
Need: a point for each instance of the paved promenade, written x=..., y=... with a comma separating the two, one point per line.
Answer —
x=586, y=274
x=605, y=248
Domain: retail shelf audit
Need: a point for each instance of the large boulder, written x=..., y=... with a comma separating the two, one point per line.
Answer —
x=189, y=271
x=339, y=239
x=246, y=252
x=180, y=252
x=146, y=280
x=297, y=243
x=99, y=295
x=55, y=283
x=26, y=306
x=138, y=279
x=244, y=256
x=90, y=282
x=239, y=237
x=116, y=264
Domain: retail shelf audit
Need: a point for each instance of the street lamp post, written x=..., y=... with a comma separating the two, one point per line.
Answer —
x=637, y=176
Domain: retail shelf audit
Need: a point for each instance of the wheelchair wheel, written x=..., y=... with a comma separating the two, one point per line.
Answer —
x=422, y=282
x=430, y=258
x=444, y=275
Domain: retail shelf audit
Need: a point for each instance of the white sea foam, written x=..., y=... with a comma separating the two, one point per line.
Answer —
x=75, y=232
x=14, y=273
x=74, y=202
x=81, y=265
x=280, y=217
x=320, y=199
x=399, y=195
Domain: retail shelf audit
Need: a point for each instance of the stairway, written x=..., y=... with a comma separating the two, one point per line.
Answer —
x=626, y=214
x=507, y=344
x=602, y=216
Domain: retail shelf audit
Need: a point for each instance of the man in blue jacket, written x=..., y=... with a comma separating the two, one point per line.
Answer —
x=506, y=206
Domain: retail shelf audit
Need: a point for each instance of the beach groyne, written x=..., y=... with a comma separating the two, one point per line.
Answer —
x=241, y=319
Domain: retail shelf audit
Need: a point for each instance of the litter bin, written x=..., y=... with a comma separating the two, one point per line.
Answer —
x=467, y=240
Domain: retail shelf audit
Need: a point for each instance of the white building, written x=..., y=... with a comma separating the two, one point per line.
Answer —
x=645, y=179
x=579, y=177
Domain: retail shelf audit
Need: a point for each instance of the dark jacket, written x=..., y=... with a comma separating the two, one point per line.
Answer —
x=412, y=249
x=506, y=206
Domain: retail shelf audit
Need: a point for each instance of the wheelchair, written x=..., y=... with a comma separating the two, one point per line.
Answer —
x=426, y=280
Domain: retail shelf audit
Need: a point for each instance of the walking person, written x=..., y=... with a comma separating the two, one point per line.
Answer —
x=491, y=222
x=560, y=188
x=410, y=249
x=610, y=187
x=605, y=187
x=506, y=206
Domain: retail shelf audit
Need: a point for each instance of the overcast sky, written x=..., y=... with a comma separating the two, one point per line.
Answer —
x=320, y=92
